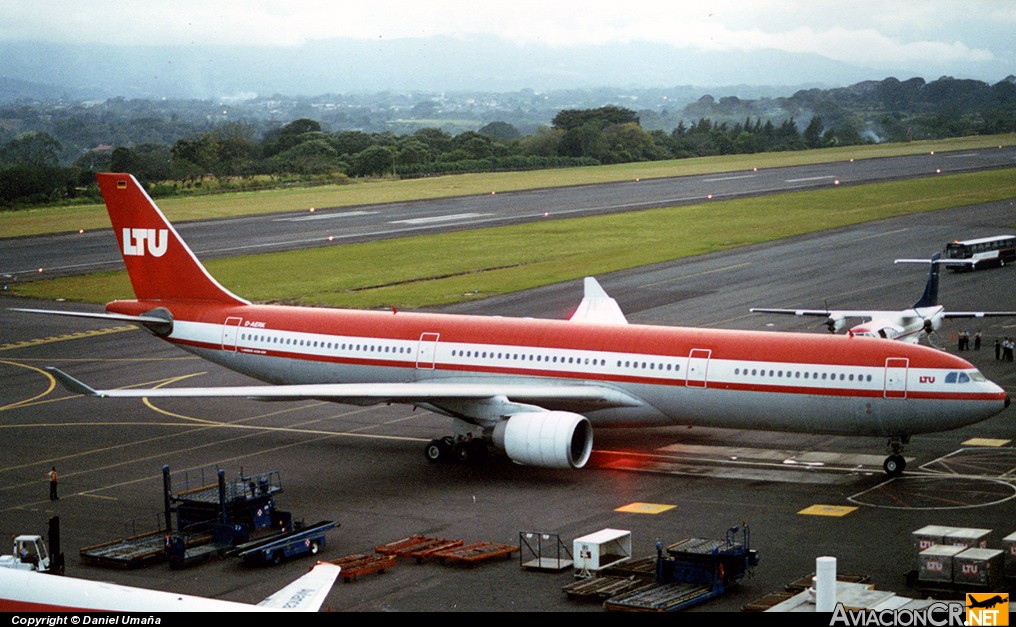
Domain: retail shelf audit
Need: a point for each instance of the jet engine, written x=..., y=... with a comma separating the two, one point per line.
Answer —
x=548, y=439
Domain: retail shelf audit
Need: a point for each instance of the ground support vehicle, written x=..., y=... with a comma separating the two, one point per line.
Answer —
x=274, y=549
x=690, y=572
x=30, y=552
x=204, y=516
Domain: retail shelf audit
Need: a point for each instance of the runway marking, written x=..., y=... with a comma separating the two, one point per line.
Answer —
x=809, y=178
x=985, y=442
x=861, y=239
x=928, y=492
x=827, y=510
x=810, y=459
x=729, y=469
x=27, y=401
x=730, y=178
x=253, y=431
x=697, y=274
x=63, y=338
x=456, y=216
x=327, y=216
x=645, y=508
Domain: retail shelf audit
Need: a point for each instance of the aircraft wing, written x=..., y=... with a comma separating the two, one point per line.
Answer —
x=544, y=395
x=307, y=593
x=829, y=313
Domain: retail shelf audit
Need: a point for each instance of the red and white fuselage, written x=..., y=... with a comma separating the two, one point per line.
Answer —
x=535, y=387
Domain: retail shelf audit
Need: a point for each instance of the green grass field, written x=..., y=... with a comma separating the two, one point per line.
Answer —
x=362, y=191
x=445, y=268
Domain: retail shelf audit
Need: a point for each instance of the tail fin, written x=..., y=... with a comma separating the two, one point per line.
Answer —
x=930, y=296
x=160, y=265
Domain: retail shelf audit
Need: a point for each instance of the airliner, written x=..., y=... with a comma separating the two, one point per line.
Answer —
x=906, y=325
x=32, y=591
x=532, y=388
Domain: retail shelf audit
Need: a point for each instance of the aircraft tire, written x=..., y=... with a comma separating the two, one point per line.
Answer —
x=438, y=451
x=894, y=465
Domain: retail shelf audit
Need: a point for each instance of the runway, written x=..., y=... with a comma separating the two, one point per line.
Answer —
x=802, y=496
x=92, y=251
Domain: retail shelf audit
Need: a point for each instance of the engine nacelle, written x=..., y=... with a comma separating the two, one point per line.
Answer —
x=548, y=439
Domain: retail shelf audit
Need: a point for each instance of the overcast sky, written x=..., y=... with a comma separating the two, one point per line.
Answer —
x=963, y=38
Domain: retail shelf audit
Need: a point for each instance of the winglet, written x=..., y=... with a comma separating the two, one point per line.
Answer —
x=69, y=382
x=597, y=306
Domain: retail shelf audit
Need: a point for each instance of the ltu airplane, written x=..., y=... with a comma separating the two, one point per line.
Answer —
x=905, y=325
x=534, y=388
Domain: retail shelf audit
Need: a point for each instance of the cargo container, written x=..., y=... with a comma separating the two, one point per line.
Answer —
x=980, y=568
x=936, y=563
x=927, y=537
x=1009, y=544
x=968, y=538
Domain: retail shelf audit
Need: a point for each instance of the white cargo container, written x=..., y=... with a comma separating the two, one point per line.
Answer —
x=983, y=568
x=601, y=549
x=936, y=563
x=927, y=537
x=1009, y=542
x=968, y=538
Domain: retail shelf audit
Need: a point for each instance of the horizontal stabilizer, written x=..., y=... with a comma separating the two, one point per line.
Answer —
x=159, y=325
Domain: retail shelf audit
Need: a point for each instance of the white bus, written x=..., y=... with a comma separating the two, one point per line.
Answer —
x=984, y=252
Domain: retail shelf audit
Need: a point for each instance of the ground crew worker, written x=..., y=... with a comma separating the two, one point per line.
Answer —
x=52, y=485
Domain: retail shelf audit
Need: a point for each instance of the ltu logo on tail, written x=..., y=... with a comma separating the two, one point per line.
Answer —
x=136, y=241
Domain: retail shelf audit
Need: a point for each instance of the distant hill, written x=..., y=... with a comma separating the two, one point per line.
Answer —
x=420, y=64
x=15, y=89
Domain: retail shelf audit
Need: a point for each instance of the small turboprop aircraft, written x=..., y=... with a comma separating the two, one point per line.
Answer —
x=534, y=388
x=906, y=325
x=31, y=591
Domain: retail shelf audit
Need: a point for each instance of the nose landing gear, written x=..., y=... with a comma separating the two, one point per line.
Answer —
x=895, y=463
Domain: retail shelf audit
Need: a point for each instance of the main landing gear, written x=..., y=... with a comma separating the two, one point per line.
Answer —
x=451, y=450
x=895, y=463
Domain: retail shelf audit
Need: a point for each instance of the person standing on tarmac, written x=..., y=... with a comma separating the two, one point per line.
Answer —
x=52, y=484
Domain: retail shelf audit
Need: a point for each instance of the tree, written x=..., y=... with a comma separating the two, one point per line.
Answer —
x=288, y=136
x=310, y=157
x=500, y=130
x=35, y=150
x=569, y=119
x=813, y=133
x=373, y=161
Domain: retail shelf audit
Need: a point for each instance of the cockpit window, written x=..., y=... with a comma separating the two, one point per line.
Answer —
x=963, y=377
